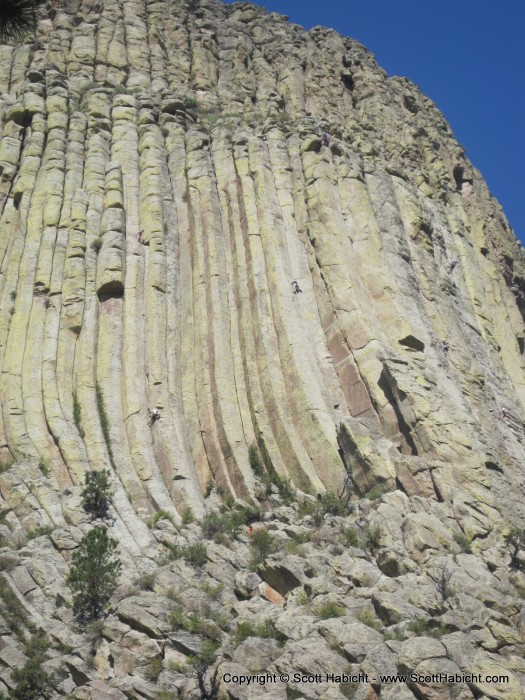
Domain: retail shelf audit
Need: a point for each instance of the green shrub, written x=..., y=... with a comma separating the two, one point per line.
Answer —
x=146, y=582
x=122, y=90
x=209, y=486
x=104, y=422
x=13, y=612
x=8, y=562
x=40, y=531
x=93, y=576
x=196, y=554
x=266, y=630
x=328, y=503
x=215, y=522
x=229, y=501
x=372, y=538
x=6, y=464
x=427, y=628
x=188, y=517
x=176, y=667
x=397, y=634
x=32, y=682
x=230, y=523
x=285, y=488
x=420, y=626
x=329, y=609
x=154, y=668
x=515, y=539
x=302, y=597
x=94, y=628
x=43, y=465
x=77, y=415
x=172, y=553
x=213, y=591
x=442, y=578
x=159, y=515
x=374, y=493
x=262, y=545
x=263, y=468
x=193, y=623
x=293, y=694
x=334, y=504
x=370, y=620
x=464, y=542
x=208, y=682
x=96, y=496
x=191, y=102
x=256, y=462
x=63, y=648
x=297, y=541
x=221, y=538
x=205, y=622
x=37, y=644
x=96, y=244
x=349, y=689
x=351, y=537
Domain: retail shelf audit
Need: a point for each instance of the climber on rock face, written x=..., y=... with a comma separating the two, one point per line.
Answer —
x=139, y=237
x=296, y=288
x=445, y=346
x=154, y=415
x=503, y=413
x=326, y=139
x=453, y=265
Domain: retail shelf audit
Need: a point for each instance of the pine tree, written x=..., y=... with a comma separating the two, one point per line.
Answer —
x=32, y=682
x=96, y=496
x=17, y=18
x=94, y=574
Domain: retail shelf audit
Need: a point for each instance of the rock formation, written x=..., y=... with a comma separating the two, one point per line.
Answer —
x=163, y=181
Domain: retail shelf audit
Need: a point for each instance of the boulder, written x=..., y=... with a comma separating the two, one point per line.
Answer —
x=391, y=608
x=353, y=639
x=283, y=575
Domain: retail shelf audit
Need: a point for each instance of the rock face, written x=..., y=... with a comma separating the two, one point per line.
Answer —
x=163, y=182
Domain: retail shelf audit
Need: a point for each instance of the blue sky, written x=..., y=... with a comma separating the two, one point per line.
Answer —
x=468, y=56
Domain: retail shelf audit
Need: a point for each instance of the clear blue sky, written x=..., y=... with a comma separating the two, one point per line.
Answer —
x=468, y=56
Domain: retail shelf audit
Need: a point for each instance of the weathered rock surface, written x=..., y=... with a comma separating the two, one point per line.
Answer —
x=163, y=181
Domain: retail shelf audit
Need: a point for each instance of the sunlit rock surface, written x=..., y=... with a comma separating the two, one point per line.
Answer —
x=163, y=181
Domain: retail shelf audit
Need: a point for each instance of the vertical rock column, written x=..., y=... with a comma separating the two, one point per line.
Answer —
x=111, y=263
x=178, y=476
x=306, y=409
x=133, y=462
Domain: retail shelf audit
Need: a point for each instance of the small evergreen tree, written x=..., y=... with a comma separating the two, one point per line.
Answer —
x=96, y=496
x=94, y=574
x=515, y=539
x=32, y=681
x=77, y=414
x=262, y=544
x=208, y=681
